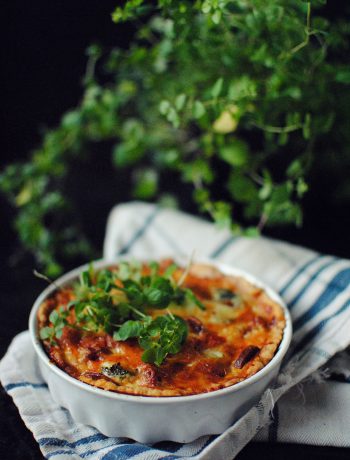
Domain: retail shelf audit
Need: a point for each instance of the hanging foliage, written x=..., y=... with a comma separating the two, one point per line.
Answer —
x=229, y=95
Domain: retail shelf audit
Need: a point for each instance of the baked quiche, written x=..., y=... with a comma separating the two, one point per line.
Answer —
x=159, y=329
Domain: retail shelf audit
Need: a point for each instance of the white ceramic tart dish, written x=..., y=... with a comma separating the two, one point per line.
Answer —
x=155, y=416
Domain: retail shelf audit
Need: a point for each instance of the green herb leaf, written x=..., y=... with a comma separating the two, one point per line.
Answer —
x=46, y=333
x=216, y=89
x=128, y=330
x=116, y=301
x=198, y=109
x=164, y=335
x=192, y=298
x=170, y=270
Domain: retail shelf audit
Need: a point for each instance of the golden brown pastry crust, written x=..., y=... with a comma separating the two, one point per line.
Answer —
x=228, y=342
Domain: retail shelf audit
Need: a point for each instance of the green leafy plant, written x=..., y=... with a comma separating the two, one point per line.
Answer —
x=58, y=319
x=237, y=98
x=159, y=337
x=117, y=303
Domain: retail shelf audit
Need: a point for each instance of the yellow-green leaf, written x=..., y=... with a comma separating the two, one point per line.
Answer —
x=227, y=121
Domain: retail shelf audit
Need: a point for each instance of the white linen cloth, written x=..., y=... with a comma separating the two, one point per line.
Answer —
x=316, y=289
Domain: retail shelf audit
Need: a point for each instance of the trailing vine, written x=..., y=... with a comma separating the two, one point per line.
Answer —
x=229, y=95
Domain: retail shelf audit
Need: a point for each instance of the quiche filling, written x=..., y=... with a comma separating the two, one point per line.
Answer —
x=158, y=329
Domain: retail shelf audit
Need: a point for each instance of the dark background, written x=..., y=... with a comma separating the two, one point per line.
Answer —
x=43, y=61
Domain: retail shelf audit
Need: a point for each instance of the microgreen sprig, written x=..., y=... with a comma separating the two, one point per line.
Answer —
x=58, y=319
x=158, y=337
x=117, y=301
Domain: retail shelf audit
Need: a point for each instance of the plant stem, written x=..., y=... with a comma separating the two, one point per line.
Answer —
x=278, y=129
x=135, y=310
x=307, y=32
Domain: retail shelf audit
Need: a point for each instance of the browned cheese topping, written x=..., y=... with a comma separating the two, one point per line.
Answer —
x=236, y=335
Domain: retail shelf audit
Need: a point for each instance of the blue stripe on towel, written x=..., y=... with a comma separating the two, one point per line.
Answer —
x=63, y=443
x=138, y=234
x=198, y=451
x=12, y=386
x=168, y=239
x=61, y=452
x=294, y=301
x=313, y=332
x=170, y=457
x=335, y=287
x=299, y=272
x=126, y=452
x=206, y=444
x=75, y=453
x=222, y=247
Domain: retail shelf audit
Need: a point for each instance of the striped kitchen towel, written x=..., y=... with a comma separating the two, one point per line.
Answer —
x=306, y=404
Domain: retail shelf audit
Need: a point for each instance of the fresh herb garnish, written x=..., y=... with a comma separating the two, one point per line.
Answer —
x=58, y=318
x=158, y=337
x=116, y=302
x=164, y=335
